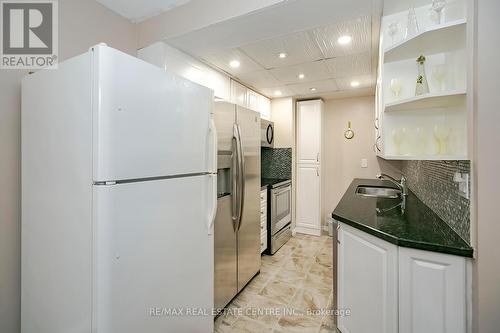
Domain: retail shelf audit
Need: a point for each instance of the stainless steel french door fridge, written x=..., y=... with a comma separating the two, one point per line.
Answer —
x=237, y=223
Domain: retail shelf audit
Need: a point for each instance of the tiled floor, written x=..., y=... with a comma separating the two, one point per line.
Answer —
x=291, y=294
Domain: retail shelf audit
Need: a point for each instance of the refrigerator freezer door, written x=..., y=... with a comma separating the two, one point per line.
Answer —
x=225, y=287
x=152, y=254
x=147, y=122
x=249, y=231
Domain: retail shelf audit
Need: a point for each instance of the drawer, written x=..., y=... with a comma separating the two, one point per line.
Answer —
x=263, y=211
x=263, y=219
x=263, y=195
x=263, y=227
x=263, y=241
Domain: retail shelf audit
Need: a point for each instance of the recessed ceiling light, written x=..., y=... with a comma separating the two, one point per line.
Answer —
x=277, y=93
x=354, y=84
x=234, y=63
x=282, y=55
x=313, y=89
x=301, y=76
x=343, y=40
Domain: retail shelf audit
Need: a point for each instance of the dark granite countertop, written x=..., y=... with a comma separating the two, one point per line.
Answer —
x=419, y=227
x=272, y=181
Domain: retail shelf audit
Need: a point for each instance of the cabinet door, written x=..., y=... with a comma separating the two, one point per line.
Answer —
x=366, y=282
x=239, y=94
x=308, y=199
x=431, y=292
x=309, y=131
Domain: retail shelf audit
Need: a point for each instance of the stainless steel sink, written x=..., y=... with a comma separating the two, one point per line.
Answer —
x=378, y=192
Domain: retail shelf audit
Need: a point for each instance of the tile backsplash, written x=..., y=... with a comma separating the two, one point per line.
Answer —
x=276, y=162
x=432, y=182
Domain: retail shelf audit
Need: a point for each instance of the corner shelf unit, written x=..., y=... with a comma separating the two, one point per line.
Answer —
x=448, y=102
x=430, y=100
x=435, y=39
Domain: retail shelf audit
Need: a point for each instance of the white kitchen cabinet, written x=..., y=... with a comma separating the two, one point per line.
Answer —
x=263, y=220
x=432, y=292
x=308, y=217
x=308, y=190
x=397, y=289
x=367, y=282
x=309, y=131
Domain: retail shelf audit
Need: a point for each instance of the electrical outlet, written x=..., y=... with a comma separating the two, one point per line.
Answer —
x=364, y=163
x=463, y=184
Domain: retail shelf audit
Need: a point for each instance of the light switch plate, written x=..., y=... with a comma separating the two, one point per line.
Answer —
x=364, y=163
x=463, y=184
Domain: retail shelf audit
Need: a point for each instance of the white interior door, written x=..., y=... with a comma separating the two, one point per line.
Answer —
x=153, y=251
x=367, y=283
x=309, y=131
x=147, y=122
x=308, y=199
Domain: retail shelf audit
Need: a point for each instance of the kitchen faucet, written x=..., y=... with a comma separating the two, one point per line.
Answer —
x=401, y=184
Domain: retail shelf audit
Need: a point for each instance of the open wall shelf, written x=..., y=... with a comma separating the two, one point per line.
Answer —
x=436, y=39
x=428, y=101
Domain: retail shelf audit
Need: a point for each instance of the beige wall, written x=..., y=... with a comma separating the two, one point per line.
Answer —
x=342, y=160
x=282, y=116
x=487, y=161
x=82, y=23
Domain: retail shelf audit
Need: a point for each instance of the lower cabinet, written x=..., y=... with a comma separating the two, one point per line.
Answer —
x=308, y=220
x=388, y=288
x=432, y=292
x=367, y=283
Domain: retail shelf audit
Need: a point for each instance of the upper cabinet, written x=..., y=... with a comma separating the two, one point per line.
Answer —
x=179, y=63
x=250, y=99
x=309, y=129
x=423, y=97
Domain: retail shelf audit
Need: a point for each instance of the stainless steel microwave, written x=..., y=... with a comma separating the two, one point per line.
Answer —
x=266, y=133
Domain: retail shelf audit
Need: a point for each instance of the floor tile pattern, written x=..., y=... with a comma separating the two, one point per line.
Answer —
x=291, y=294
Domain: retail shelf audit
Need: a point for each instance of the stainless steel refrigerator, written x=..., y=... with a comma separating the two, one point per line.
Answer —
x=237, y=222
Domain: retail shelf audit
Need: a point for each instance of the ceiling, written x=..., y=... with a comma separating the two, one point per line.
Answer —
x=311, y=47
x=137, y=11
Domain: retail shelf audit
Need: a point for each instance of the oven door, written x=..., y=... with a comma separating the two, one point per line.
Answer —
x=281, y=207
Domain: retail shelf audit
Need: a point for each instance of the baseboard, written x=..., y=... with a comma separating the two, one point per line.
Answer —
x=308, y=230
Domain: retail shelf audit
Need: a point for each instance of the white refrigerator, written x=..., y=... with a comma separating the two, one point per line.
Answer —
x=118, y=198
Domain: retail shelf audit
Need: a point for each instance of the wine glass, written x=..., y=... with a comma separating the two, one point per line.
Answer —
x=392, y=30
x=438, y=6
x=397, y=138
x=439, y=74
x=442, y=133
x=396, y=87
x=412, y=27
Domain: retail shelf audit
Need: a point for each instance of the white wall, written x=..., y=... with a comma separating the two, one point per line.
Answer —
x=487, y=160
x=82, y=23
x=282, y=115
x=342, y=160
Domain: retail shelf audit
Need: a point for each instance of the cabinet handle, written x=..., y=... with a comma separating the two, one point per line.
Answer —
x=317, y=157
x=317, y=171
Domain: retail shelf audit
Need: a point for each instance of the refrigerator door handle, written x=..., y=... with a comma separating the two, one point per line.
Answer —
x=213, y=132
x=241, y=174
x=235, y=179
x=213, y=209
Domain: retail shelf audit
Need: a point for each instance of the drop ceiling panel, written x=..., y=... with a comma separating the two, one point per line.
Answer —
x=364, y=81
x=270, y=92
x=299, y=48
x=320, y=86
x=353, y=65
x=313, y=71
x=261, y=79
x=359, y=29
x=222, y=60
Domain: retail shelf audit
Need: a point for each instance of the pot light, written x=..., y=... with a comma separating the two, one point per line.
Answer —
x=313, y=89
x=234, y=63
x=277, y=93
x=354, y=84
x=301, y=76
x=343, y=40
x=282, y=55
